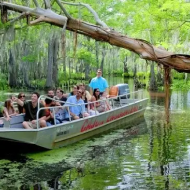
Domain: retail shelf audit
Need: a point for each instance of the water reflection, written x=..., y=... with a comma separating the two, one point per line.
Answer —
x=150, y=155
x=180, y=100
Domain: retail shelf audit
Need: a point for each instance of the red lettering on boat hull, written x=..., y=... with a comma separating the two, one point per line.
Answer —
x=88, y=125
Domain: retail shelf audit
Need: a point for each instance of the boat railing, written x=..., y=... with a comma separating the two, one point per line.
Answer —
x=114, y=102
x=42, y=97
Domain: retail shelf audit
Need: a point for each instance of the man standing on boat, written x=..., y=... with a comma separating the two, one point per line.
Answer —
x=75, y=112
x=31, y=108
x=99, y=82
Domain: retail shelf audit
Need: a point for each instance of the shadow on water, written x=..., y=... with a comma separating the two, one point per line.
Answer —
x=15, y=151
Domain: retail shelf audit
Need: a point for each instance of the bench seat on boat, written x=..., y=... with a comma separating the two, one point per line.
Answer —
x=15, y=121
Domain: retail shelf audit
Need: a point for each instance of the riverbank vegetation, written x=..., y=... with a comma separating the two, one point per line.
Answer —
x=44, y=56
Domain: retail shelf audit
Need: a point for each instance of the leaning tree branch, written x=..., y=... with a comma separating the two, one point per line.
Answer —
x=96, y=17
x=144, y=49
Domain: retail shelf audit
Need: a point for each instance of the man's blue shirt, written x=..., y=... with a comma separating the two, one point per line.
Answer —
x=99, y=82
x=75, y=109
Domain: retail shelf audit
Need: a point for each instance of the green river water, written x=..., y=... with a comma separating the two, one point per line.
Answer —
x=150, y=155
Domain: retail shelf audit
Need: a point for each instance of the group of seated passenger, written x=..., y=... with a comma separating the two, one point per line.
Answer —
x=7, y=110
x=77, y=104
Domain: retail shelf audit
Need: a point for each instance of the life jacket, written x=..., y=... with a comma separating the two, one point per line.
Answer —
x=113, y=91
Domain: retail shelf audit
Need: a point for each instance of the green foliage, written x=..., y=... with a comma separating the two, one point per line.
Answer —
x=140, y=74
x=29, y=58
x=40, y=83
x=162, y=23
x=128, y=75
x=86, y=55
x=62, y=77
x=92, y=74
x=177, y=75
x=180, y=85
x=3, y=82
x=118, y=72
x=77, y=76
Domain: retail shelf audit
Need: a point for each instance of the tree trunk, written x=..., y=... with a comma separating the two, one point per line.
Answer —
x=49, y=80
x=12, y=70
x=97, y=55
x=87, y=70
x=160, y=80
x=55, y=56
x=153, y=85
x=12, y=63
x=25, y=65
x=103, y=58
x=52, y=70
x=63, y=48
x=87, y=64
x=125, y=68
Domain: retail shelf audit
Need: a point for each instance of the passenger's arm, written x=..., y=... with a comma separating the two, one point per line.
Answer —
x=71, y=114
x=107, y=91
x=91, y=92
x=41, y=118
x=88, y=96
x=88, y=106
x=51, y=115
x=14, y=112
x=18, y=101
x=6, y=114
x=92, y=105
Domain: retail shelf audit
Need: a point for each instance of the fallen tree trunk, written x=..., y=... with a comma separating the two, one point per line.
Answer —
x=144, y=49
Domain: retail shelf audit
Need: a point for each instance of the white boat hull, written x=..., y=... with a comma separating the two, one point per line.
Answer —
x=67, y=133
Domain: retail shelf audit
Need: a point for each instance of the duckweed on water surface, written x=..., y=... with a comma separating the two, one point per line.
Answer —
x=151, y=155
x=47, y=165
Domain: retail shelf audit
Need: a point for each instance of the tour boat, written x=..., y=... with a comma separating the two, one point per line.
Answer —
x=125, y=109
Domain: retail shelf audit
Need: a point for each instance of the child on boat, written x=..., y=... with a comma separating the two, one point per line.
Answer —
x=9, y=107
x=3, y=111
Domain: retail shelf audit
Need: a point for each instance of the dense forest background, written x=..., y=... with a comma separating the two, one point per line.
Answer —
x=44, y=56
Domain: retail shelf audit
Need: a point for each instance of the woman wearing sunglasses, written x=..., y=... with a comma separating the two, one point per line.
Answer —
x=96, y=97
x=21, y=96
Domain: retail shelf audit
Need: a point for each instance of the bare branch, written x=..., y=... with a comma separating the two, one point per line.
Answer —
x=47, y=4
x=50, y=16
x=96, y=17
x=63, y=9
x=64, y=26
x=40, y=19
x=23, y=15
x=36, y=3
